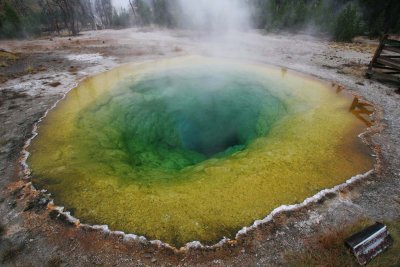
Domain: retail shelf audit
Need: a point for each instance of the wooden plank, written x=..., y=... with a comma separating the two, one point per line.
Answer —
x=382, y=76
x=394, y=37
x=380, y=66
x=389, y=62
x=378, y=51
x=390, y=56
x=392, y=42
x=385, y=65
x=391, y=72
x=392, y=49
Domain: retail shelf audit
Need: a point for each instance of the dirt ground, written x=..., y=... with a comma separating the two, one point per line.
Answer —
x=34, y=74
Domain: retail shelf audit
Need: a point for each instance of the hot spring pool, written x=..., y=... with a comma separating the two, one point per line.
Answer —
x=194, y=148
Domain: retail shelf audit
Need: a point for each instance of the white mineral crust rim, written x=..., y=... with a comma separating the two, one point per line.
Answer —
x=25, y=173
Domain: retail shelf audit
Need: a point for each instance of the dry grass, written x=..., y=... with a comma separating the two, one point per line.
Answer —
x=29, y=68
x=54, y=262
x=329, y=249
x=7, y=55
x=358, y=47
x=6, y=58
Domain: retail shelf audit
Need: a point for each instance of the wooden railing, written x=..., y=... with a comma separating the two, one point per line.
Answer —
x=385, y=64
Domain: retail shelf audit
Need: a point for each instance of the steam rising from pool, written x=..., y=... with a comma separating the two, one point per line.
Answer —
x=194, y=148
x=215, y=17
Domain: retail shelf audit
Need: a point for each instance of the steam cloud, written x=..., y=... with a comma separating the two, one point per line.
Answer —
x=215, y=16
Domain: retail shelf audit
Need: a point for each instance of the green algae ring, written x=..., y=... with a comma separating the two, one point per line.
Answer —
x=194, y=148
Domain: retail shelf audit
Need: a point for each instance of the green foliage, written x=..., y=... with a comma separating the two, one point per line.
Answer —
x=12, y=16
x=144, y=13
x=165, y=13
x=322, y=16
x=31, y=24
x=10, y=22
x=397, y=27
x=120, y=19
x=160, y=15
x=342, y=19
x=381, y=16
x=294, y=15
x=159, y=12
x=378, y=25
x=347, y=25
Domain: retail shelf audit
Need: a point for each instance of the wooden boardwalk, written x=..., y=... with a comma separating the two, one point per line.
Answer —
x=385, y=64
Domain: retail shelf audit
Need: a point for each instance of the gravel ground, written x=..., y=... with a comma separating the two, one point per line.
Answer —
x=46, y=69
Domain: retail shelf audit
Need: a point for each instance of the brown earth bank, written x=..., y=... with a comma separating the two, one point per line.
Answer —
x=34, y=74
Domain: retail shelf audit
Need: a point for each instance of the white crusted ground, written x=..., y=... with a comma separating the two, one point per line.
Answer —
x=41, y=239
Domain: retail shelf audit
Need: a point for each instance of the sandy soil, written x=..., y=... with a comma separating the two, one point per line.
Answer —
x=41, y=71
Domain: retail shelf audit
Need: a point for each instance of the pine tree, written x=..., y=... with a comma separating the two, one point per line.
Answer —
x=10, y=23
x=347, y=24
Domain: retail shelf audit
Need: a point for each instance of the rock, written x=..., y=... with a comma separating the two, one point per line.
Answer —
x=37, y=204
x=72, y=69
x=55, y=84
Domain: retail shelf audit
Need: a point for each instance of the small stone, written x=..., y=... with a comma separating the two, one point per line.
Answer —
x=54, y=84
x=147, y=255
x=12, y=204
x=53, y=214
